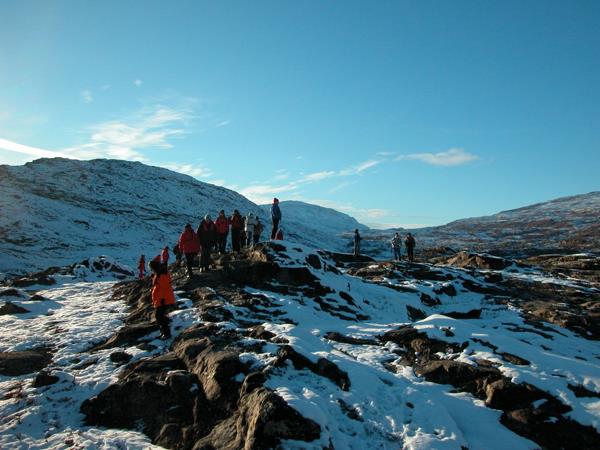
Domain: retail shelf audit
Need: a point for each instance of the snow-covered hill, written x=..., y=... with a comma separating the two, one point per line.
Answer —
x=317, y=226
x=566, y=224
x=59, y=211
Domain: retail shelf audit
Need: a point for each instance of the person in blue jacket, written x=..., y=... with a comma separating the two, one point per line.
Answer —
x=275, y=217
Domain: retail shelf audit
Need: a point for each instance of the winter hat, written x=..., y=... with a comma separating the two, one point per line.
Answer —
x=275, y=200
x=207, y=217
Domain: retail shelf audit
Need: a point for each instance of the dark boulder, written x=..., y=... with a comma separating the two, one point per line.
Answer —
x=20, y=363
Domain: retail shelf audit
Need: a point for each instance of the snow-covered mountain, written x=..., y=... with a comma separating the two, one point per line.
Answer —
x=315, y=225
x=564, y=224
x=59, y=211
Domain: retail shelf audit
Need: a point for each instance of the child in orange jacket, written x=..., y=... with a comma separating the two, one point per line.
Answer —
x=162, y=297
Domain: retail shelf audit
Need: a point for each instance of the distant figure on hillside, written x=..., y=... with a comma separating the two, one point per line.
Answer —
x=258, y=229
x=162, y=297
x=190, y=247
x=275, y=217
x=396, y=246
x=237, y=222
x=357, y=240
x=207, y=234
x=249, y=228
x=142, y=267
x=410, y=243
x=164, y=256
x=222, y=224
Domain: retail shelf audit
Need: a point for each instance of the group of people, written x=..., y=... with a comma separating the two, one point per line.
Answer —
x=409, y=243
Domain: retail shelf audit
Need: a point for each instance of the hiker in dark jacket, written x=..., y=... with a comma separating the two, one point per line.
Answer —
x=189, y=246
x=396, y=246
x=357, y=240
x=207, y=234
x=237, y=225
x=222, y=224
x=258, y=229
x=142, y=267
x=410, y=243
x=275, y=217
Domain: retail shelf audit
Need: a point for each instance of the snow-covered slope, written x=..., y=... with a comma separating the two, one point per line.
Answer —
x=371, y=355
x=564, y=224
x=58, y=211
x=315, y=225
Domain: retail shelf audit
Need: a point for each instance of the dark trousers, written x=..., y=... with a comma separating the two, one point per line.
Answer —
x=235, y=239
x=256, y=237
x=411, y=253
x=397, y=254
x=275, y=228
x=189, y=262
x=163, y=321
x=357, y=249
x=222, y=242
x=205, y=257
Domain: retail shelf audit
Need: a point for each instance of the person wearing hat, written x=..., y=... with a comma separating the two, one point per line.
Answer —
x=207, y=234
x=275, y=217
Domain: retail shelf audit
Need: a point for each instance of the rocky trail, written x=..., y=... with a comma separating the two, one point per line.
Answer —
x=288, y=347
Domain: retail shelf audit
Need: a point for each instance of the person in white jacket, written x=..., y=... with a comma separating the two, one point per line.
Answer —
x=251, y=222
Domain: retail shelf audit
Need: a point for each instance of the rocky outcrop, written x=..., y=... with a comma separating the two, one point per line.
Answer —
x=21, y=363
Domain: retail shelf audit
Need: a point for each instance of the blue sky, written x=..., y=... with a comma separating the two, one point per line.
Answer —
x=399, y=113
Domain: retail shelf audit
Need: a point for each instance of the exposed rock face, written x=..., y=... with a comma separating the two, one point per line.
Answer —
x=19, y=363
x=206, y=392
x=11, y=308
x=478, y=261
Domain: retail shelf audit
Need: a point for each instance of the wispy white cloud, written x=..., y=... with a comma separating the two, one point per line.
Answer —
x=86, y=96
x=360, y=168
x=340, y=186
x=150, y=128
x=105, y=87
x=137, y=82
x=28, y=150
x=222, y=123
x=317, y=176
x=451, y=157
x=194, y=170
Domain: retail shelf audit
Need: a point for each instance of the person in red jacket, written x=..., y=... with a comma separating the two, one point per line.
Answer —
x=162, y=297
x=142, y=267
x=222, y=224
x=190, y=247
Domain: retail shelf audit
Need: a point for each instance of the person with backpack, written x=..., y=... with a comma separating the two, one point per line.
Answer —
x=207, y=234
x=249, y=228
x=236, y=221
x=410, y=243
x=357, y=240
x=162, y=297
x=190, y=247
x=275, y=217
x=142, y=267
x=396, y=246
x=258, y=229
x=222, y=225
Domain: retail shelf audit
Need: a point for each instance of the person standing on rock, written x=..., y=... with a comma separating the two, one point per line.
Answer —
x=162, y=297
x=190, y=247
x=222, y=225
x=410, y=243
x=357, y=240
x=250, y=224
x=142, y=267
x=207, y=234
x=275, y=217
x=396, y=246
x=236, y=222
x=258, y=229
